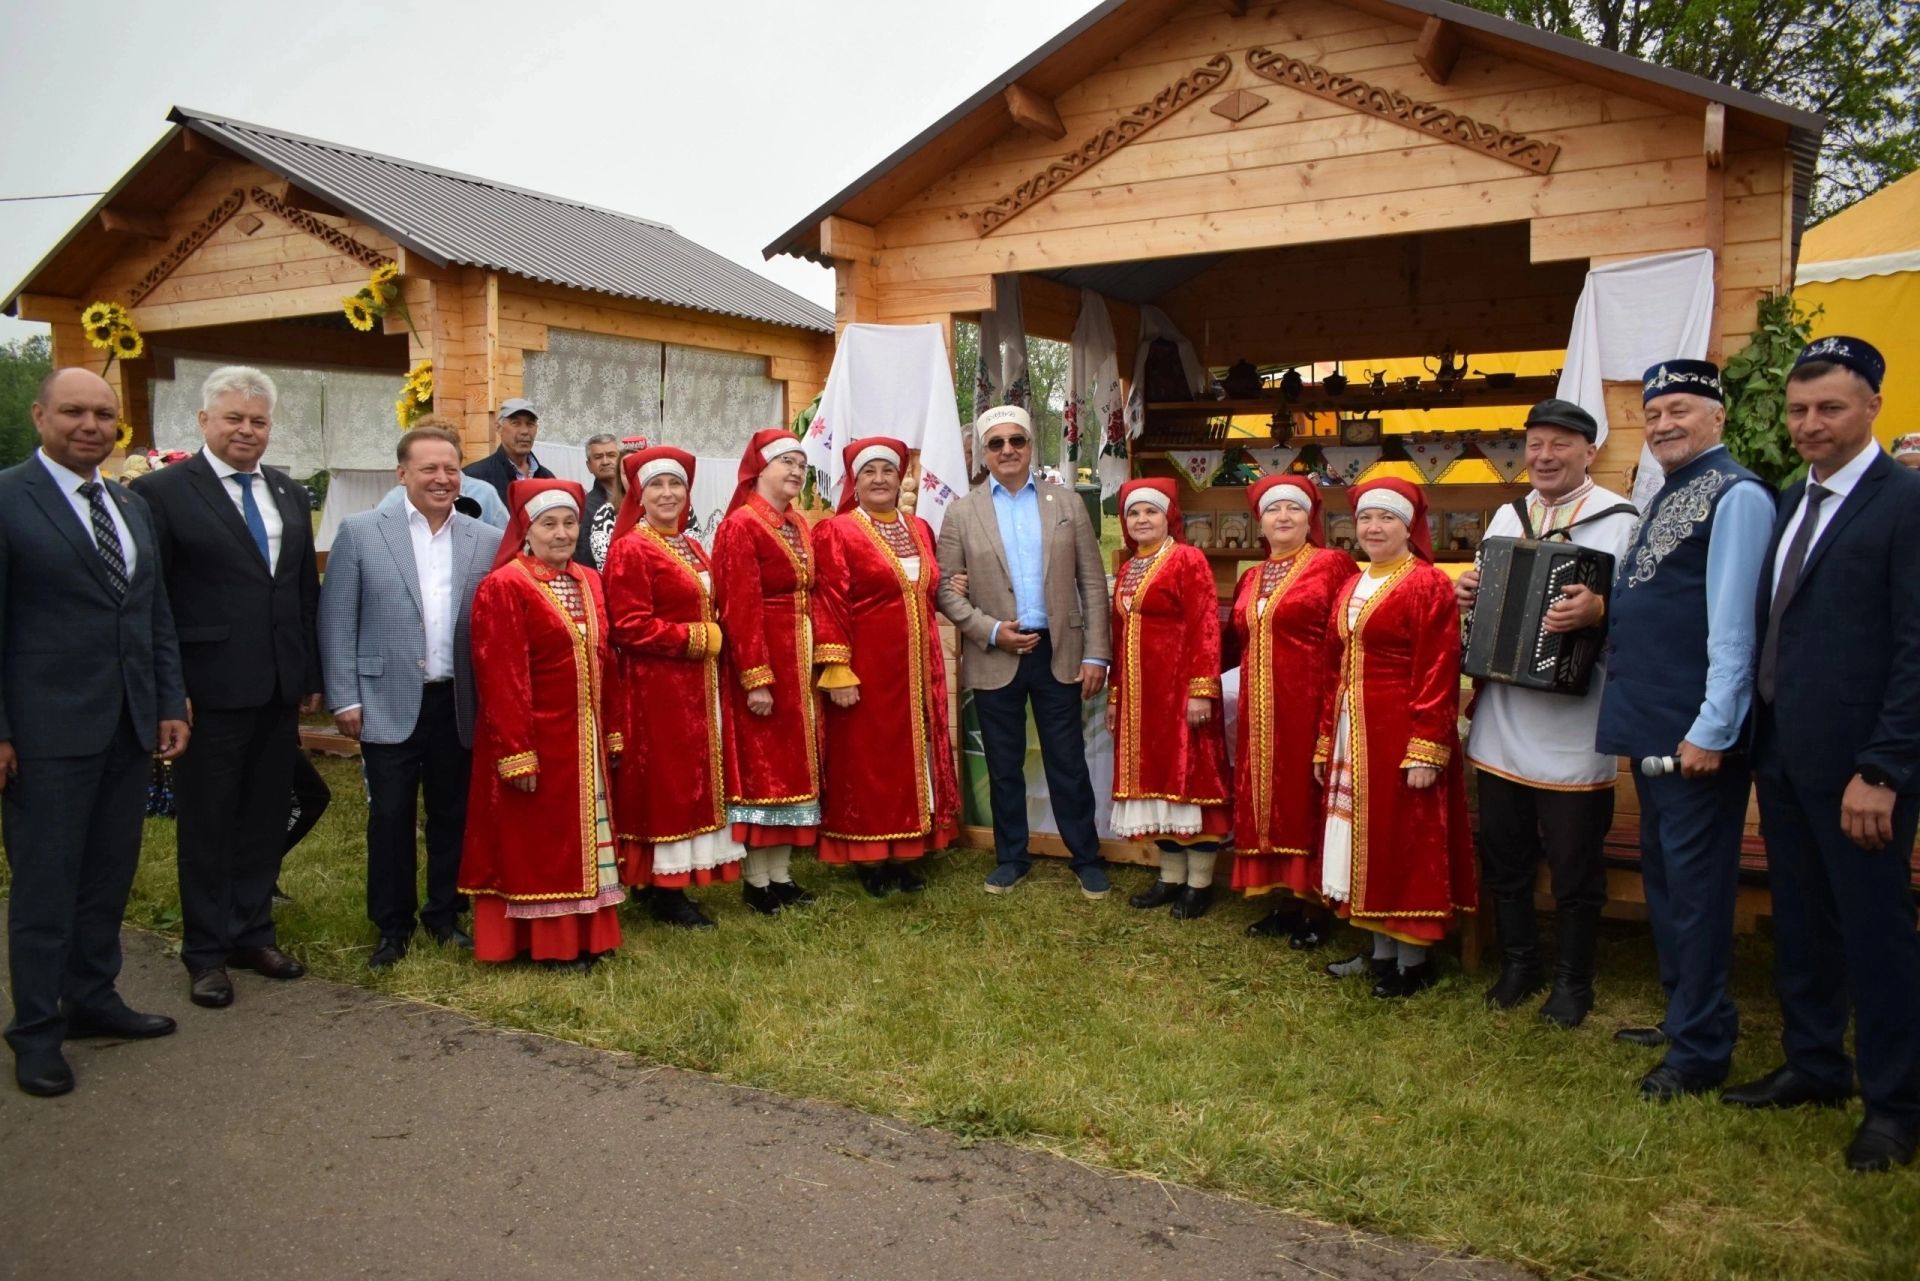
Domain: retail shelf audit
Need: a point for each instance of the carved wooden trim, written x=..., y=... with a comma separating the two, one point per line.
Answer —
x=1131, y=125
x=183, y=249
x=333, y=236
x=1390, y=104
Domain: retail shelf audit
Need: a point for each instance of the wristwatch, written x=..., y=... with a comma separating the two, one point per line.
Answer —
x=1874, y=776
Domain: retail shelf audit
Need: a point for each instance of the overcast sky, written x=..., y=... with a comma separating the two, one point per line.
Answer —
x=730, y=120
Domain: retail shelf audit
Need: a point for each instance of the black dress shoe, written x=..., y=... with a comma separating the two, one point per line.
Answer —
x=581, y=964
x=1278, y=923
x=43, y=1073
x=875, y=878
x=761, y=899
x=1159, y=894
x=450, y=936
x=1195, y=902
x=1879, y=1144
x=211, y=988
x=390, y=953
x=1785, y=1088
x=673, y=907
x=1650, y=1038
x=1311, y=934
x=1405, y=981
x=122, y=1024
x=1665, y=1084
x=791, y=895
x=909, y=878
x=269, y=962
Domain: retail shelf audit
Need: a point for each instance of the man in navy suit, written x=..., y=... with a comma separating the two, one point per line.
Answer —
x=89, y=687
x=1837, y=759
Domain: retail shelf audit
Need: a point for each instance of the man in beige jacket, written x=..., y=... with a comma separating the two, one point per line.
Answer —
x=1032, y=615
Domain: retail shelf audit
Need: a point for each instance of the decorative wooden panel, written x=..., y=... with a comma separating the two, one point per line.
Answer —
x=183, y=249
x=370, y=258
x=1391, y=104
x=1131, y=125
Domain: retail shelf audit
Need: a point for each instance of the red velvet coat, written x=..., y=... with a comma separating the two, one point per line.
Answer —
x=667, y=663
x=1286, y=678
x=1400, y=681
x=538, y=686
x=868, y=615
x=763, y=589
x=1166, y=649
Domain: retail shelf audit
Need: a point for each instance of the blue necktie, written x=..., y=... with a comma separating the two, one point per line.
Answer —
x=251, y=511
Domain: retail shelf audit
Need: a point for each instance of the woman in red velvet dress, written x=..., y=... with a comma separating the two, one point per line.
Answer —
x=1280, y=614
x=890, y=794
x=763, y=573
x=1169, y=748
x=670, y=794
x=1397, y=856
x=539, y=856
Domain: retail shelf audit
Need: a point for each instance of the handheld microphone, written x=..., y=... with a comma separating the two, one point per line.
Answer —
x=1656, y=766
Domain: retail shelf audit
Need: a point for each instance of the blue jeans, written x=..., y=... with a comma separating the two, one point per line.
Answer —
x=1002, y=714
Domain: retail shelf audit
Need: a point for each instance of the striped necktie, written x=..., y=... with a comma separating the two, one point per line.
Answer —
x=105, y=537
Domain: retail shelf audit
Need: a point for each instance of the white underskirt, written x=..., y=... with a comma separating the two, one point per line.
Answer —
x=698, y=853
x=1156, y=817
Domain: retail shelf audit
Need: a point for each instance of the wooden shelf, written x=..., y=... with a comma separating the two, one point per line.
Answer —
x=1361, y=398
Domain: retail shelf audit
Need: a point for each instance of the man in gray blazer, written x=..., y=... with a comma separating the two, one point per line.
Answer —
x=1034, y=630
x=395, y=614
x=89, y=687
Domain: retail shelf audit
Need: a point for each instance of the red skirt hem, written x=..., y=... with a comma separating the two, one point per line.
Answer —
x=636, y=870
x=759, y=836
x=1297, y=873
x=1421, y=929
x=498, y=937
x=840, y=849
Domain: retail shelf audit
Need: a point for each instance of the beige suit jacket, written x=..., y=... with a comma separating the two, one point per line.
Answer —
x=1074, y=581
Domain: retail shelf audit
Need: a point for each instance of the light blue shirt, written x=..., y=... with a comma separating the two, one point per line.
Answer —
x=1018, y=511
x=1742, y=527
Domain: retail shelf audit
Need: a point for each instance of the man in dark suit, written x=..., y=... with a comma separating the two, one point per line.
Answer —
x=1837, y=759
x=236, y=545
x=519, y=427
x=395, y=616
x=89, y=687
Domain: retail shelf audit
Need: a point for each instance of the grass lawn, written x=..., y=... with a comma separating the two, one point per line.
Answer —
x=1188, y=1052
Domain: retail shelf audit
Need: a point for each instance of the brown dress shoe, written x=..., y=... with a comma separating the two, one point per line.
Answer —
x=211, y=988
x=270, y=962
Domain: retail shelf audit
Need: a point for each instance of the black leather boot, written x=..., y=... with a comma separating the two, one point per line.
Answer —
x=1194, y=903
x=673, y=907
x=1520, y=975
x=1159, y=894
x=1572, y=994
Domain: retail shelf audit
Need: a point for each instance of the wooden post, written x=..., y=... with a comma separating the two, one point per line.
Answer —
x=1713, y=157
x=854, y=249
x=1438, y=49
x=1034, y=113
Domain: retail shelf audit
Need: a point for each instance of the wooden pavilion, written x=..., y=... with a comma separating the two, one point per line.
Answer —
x=233, y=242
x=1301, y=182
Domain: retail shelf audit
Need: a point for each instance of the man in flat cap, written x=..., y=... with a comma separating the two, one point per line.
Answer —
x=1837, y=759
x=519, y=427
x=1033, y=622
x=1679, y=681
x=1542, y=787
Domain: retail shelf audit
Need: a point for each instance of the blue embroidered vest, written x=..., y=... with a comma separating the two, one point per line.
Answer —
x=1657, y=619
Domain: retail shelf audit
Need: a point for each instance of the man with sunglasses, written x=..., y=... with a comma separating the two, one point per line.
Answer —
x=1032, y=616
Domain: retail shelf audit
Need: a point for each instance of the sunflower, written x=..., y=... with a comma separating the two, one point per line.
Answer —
x=403, y=412
x=382, y=292
x=123, y=436
x=101, y=335
x=385, y=274
x=96, y=316
x=127, y=344
x=359, y=315
x=118, y=314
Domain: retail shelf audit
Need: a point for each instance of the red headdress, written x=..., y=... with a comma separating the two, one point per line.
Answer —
x=1420, y=538
x=871, y=447
x=759, y=452
x=1316, y=526
x=519, y=495
x=1157, y=490
x=661, y=458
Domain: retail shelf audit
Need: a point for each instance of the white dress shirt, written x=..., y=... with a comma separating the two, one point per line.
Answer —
x=262, y=497
x=1838, y=486
x=433, y=561
x=69, y=483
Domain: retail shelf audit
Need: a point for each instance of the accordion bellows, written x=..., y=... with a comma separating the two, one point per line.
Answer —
x=1507, y=640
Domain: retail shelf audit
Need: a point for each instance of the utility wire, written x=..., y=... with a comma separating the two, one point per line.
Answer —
x=65, y=195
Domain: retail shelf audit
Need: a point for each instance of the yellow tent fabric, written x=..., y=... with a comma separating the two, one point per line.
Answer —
x=1862, y=266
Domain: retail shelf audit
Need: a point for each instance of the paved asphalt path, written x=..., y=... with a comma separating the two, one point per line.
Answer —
x=315, y=1130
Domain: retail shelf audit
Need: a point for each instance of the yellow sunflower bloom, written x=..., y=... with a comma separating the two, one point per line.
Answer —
x=123, y=437
x=359, y=315
x=127, y=344
x=101, y=335
x=118, y=314
x=403, y=412
x=385, y=274
x=95, y=316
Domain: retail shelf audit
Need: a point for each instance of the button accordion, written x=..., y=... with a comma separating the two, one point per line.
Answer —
x=1507, y=640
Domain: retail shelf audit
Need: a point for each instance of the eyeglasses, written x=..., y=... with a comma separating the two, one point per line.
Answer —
x=1006, y=442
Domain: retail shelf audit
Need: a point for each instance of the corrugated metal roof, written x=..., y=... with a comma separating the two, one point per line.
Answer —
x=455, y=218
